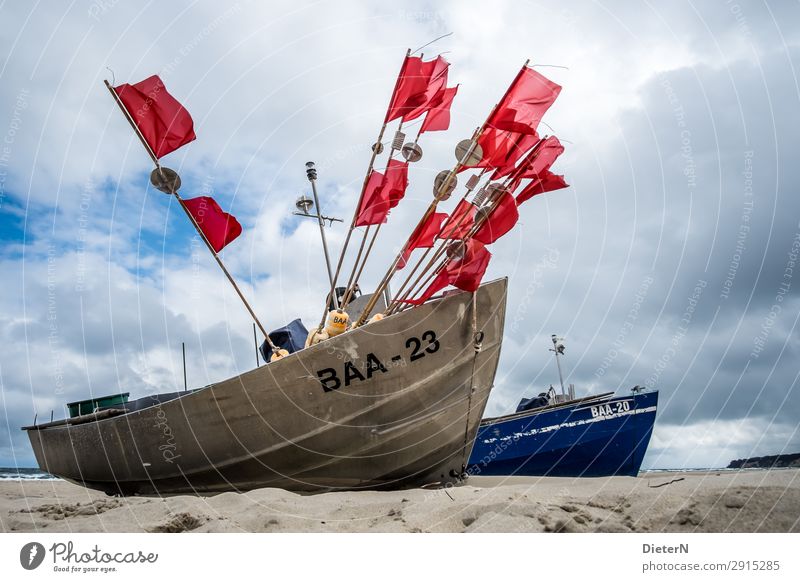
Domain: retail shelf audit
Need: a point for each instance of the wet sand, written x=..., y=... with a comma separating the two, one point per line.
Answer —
x=728, y=501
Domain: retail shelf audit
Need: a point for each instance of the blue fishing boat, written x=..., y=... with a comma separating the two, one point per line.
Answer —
x=558, y=435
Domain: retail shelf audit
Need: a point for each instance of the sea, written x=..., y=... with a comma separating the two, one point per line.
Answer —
x=23, y=474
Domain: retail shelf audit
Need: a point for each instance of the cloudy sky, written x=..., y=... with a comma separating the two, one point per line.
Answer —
x=669, y=262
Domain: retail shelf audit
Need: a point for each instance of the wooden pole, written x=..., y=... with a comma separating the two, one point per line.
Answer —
x=431, y=209
x=135, y=127
x=225, y=270
x=358, y=269
x=530, y=157
x=437, y=253
x=476, y=226
x=152, y=155
x=375, y=149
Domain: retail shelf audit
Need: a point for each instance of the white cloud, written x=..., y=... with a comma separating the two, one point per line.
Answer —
x=271, y=87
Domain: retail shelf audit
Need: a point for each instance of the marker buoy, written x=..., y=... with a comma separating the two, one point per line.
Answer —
x=338, y=320
x=278, y=355
x=316, y=336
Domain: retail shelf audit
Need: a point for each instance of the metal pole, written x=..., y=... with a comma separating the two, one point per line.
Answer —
x=311, y=172
x=185, y=384
x=558, y=363
x=255, y=343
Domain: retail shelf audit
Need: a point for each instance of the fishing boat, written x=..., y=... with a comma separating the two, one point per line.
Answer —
x=388, y=390
x=393, y=404
x=558, y=435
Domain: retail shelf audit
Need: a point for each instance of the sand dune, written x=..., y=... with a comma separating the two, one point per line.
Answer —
x=743, y=501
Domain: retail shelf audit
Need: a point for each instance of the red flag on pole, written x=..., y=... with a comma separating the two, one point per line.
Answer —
x=383, y=192
x=219, y=227
x=418, y=83
x=467, y=273
x=370, y=209
x=438, y=117
x=439, y=283
x=519, y=146
x=547, y=183
x=541, y=159
x=461, y=221
x=395, y=181
x=423, y=236
x=500, y=221
x=161, y=119
x=436, y=73
x=501, y=149
x=525, y=103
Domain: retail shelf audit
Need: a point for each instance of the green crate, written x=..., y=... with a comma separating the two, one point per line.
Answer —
x=88, y=406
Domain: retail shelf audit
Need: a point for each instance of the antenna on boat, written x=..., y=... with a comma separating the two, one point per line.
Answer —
x=558, y=348
x=304, y=205
x=255, y=343
x=183, y=350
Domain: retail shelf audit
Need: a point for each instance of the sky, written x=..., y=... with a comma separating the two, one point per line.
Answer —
x=670, y=262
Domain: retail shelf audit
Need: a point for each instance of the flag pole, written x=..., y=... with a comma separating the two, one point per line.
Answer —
x=152, y=155
x=358, y=269
x=135, y=127
x=402, y=292
x=443, y=188
x=530, y=157
x=431, y=209
x=395, y=146
x=225, y=270
x=375, y=151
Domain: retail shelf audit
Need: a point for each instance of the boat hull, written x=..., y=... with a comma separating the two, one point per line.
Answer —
x=589, y=438
x=394, y=404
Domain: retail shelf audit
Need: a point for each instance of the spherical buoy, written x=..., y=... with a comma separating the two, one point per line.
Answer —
x=316, y=336
x=278, y=355
x=376, y=317
x=338, y=320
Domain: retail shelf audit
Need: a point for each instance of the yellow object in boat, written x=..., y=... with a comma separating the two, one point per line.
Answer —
x=278, y=355
x=338, y=321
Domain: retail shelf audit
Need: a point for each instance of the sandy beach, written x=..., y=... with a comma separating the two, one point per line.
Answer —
x=728, y=501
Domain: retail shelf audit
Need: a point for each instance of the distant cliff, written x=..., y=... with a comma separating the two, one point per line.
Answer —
x=769, y=462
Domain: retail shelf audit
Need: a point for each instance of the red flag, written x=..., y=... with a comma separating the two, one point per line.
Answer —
x=438, y=118
x=370, y=209
x=501, y=149
x=423, y=236
x=418, y=83
x=395, y=181
x=219, y=227
x=547, y=183
x=383, y=192
x=161, y=119
x=525, y=103
x=467, y=273
x=439, y=283
x=461, y=221
x=500, y=221
x=436, y=73
x=541, y=158
x=520, y=145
